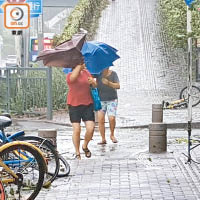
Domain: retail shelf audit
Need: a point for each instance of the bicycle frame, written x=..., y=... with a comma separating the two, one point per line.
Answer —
x=9, y=171
x=174, y=104
x=10, y=138
x=2, y=191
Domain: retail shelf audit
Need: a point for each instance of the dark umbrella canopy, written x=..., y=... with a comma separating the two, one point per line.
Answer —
x=66, y=54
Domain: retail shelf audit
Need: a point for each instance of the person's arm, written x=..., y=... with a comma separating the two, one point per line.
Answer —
x=75, y=73
x=110, y=83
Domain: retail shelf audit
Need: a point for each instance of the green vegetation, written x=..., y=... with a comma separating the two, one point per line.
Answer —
x=28, y=93
x=85, y=15
x=181, y=140
x=28, y=89
x=59, y=89
x=174, y=20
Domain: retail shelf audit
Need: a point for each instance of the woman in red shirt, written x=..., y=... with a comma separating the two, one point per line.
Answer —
x=80, y=105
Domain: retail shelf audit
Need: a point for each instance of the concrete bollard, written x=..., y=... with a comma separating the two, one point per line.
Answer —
x=157, y=113
x=50, y=134
x=157, y=138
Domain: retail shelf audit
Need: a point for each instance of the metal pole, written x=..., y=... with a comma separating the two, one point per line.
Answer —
x=24, y=49
x=40, y=35
x=8, y=90
x=26, y=40
x=18, y=49
x=1, y=44
x=49, y=93
x=189, y=82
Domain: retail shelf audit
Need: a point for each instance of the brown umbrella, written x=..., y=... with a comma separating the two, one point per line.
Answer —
x=66, y=54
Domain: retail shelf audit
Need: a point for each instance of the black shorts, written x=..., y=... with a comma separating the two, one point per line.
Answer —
x=84, y=112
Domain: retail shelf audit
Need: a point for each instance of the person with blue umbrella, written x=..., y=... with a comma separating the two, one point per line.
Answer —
x=107, y=84
x=98, y=57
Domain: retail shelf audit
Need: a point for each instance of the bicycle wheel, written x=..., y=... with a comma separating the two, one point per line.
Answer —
x=28, y=164
x=2, y=191
x=49, y=152
x=64, y=167
x=195, y=95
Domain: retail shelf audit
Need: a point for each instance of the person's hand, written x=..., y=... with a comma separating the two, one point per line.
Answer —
x=90, y=80
x=105, y=81
x=81, y=66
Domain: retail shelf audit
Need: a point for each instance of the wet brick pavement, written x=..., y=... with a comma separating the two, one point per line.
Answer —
x=149, y=72
x=126, y=170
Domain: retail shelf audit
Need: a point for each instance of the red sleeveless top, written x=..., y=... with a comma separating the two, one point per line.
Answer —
x=79, y=90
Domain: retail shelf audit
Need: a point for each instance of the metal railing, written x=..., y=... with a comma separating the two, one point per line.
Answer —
x=26, y=90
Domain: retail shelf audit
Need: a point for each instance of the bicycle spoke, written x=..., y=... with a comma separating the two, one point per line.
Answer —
x=50, y=154
x=195, y=95
x=29, y=168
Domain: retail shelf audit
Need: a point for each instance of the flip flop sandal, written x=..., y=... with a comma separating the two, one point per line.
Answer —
x=114, y=141
x=78, y=157
x=87, y=152
x=101, y=143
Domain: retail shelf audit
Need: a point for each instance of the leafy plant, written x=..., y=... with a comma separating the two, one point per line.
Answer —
x=85, y=15
x=174, y=21
x=59, y=89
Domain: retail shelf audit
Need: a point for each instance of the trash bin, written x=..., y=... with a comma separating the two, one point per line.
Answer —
x=50, y=134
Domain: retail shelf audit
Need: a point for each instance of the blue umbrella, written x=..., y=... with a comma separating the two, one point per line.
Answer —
x=67, y=70
x=97, y=56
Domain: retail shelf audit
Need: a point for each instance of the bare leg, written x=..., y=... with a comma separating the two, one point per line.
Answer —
x=89, y=133
x=88, y=136
x=76, y=137
x=101, y=121
x=112, y=123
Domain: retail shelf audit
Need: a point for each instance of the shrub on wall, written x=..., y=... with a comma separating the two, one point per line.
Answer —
x=85, y=15
x=174, y=18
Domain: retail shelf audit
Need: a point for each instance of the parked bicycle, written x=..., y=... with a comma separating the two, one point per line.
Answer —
x=57, y=165
x=22, y=168
x=195, y=95
x=182, y=102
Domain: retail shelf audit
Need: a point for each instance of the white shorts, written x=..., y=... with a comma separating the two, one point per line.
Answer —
x=110, y=107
